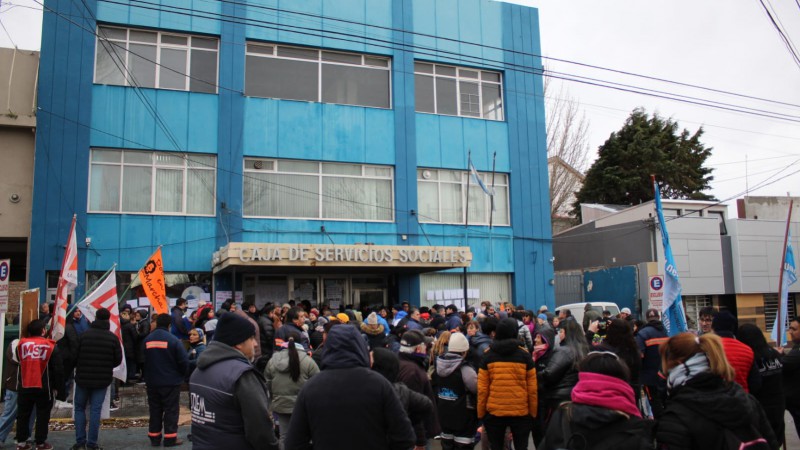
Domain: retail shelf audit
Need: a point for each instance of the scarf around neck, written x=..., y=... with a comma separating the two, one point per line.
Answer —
x=605, y=391
x=690, y=368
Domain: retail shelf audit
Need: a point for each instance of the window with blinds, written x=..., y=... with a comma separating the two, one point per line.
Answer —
x=692, y=304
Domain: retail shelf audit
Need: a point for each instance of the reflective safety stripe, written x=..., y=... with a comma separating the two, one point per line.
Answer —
x=157, y=344
x=655, y=341
x=158, y=435
x=170, y=435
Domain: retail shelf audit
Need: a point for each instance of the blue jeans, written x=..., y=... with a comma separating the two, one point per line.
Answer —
x=95, y=398
x=10, y=415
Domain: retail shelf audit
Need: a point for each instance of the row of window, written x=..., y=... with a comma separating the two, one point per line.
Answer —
x=154, y=59
x=132, y=181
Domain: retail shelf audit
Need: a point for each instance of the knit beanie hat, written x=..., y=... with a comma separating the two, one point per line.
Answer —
x=163, y=320
x=506, y=329
x=386, y=363
x=724, y=321
x=458, y=343
x=102, y=314
x=343, y=317
x=372, y=319
x=233, y=329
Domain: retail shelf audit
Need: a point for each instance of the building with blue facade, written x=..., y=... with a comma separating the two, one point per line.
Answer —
x=310, y=150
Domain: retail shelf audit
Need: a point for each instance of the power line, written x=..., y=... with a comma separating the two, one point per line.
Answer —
x=786, y=42
x=8, y=34
x=472, y=60
x=505, y=50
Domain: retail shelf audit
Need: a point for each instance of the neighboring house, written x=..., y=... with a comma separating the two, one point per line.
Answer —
x=565, y=182
x=17, y=136
x=318, y=151
x=724, y=262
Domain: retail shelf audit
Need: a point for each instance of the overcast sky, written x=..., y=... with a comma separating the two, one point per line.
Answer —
x=725, y=45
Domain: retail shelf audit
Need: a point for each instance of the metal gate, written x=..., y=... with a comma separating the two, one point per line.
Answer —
x=569, y=287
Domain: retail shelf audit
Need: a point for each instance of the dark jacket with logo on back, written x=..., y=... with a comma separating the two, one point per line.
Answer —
x=99, y=351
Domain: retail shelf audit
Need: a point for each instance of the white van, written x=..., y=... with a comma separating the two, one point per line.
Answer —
x=577, y=309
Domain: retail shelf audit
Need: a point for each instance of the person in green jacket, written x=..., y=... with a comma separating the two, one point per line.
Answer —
x=287, y=371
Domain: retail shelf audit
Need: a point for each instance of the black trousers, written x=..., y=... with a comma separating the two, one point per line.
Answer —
x=496, y=430
x=26, y=401
x=164, y=407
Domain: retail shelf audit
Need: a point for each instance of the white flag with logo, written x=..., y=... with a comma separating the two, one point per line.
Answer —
x=105, y=296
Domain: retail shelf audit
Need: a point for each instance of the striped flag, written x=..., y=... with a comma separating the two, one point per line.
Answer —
x=105, y=296
x=67, y=281
x=477, y=180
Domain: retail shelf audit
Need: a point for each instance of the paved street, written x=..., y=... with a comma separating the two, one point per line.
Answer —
x=133, y=405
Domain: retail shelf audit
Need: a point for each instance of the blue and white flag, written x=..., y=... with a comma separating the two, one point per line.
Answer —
x=672, y=315
x=477, y=180
x=789, y=278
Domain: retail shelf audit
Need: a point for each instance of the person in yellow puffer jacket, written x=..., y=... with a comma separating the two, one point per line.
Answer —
x=507, y=389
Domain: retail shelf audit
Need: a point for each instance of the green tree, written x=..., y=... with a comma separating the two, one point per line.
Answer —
x=647, y=146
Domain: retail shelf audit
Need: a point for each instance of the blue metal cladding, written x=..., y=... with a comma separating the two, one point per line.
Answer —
x=77, y=114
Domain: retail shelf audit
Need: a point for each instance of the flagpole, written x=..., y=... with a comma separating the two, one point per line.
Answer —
x=466, y=222
x=781, y=332
x=61, y=274
x=491, y=197
x=97, y=283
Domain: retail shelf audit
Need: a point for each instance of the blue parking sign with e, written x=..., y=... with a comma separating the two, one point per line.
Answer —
x=656, y=283
x=4, y=270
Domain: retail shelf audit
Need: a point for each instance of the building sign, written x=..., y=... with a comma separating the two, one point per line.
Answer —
x=328, y=255
x=5, y=269
x=657, y=292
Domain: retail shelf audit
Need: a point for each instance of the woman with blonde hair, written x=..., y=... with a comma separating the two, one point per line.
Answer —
x=705, y=408
x=439, y=348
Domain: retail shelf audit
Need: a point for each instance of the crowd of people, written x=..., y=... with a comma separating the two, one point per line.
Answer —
x=295, y=377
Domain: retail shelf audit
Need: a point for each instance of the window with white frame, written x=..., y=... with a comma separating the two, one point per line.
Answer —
x=317, y=190
x=441, y=196
x=458, y=91
x=156, y=59
x=132, y=181
x=294, y=73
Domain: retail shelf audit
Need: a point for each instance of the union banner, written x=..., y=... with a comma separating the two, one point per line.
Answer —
x=152, y=277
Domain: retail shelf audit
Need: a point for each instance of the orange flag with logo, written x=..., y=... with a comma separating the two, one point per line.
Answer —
x=152, y=277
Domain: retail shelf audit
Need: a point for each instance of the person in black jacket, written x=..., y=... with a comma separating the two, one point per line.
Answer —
x=294, y=322
x=791, y=374
x=603, y=413
x=344, y=393
x=142, y=330
x=705, y=409
x=68, y=347
x=767, y=388
x=166, y=369
x=129, y=337
x=417, y=406
x=99, y=351
x=648, y=338
x=560, y=373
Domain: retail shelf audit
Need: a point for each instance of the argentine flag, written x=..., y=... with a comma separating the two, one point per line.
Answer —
x=789, y=278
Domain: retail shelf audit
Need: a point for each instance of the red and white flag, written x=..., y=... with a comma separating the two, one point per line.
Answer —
x=67, y=282
x=105, y=296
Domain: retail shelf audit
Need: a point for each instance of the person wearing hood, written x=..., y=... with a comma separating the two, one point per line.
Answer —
x=413, y=372
x=229, y=400
x=648, y=339
x=739, y=355
x=603, y=412
x=507, y=388
x=456, y=386
x=286, y=373
x=344, y=393
x=99, y=351
x=417, y=406
x=705, y=408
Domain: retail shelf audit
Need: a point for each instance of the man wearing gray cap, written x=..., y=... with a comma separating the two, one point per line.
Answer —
x=228, y=395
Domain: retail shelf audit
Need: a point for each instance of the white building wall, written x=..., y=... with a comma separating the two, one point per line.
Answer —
x=757, y=248
x=697, y=249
